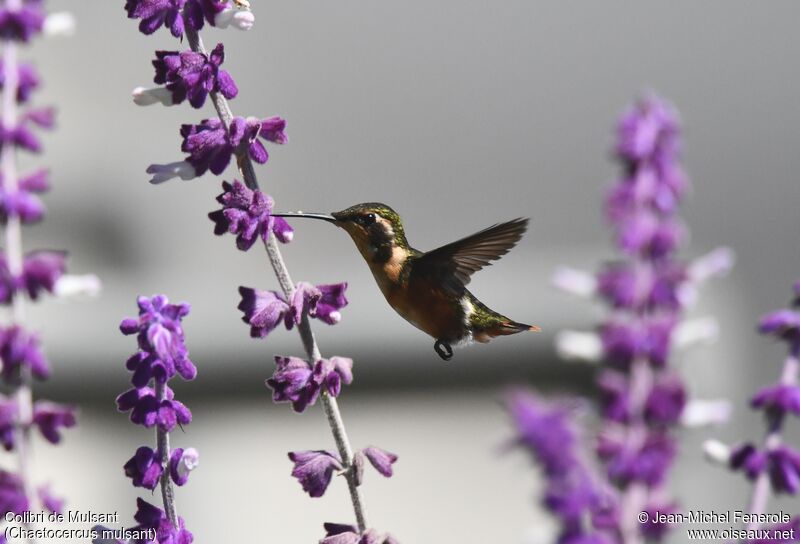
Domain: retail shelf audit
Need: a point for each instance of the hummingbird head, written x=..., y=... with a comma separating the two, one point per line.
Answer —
x=375, y=228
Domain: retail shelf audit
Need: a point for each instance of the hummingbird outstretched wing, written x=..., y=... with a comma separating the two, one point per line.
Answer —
x=452, y=265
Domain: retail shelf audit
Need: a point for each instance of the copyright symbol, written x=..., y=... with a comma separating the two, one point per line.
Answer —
x=643, y=517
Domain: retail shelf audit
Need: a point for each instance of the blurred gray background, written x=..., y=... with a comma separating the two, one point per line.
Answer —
x=459, y=115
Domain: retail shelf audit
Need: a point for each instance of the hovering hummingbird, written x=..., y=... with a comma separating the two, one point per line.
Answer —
x=428, y=289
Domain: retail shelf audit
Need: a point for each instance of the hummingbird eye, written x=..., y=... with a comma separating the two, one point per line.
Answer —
x=367, y=220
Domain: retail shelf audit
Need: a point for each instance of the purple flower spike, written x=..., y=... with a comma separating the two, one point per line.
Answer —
x=160, y=333
x=193, y=75
x=51, y=418
x=144, y=468
x=314, y=469
x=22, y=23
x=17, y=349
x=181, y=463
x=263, y=311
x=245, y=213
x=382, y=460
x=647, y=130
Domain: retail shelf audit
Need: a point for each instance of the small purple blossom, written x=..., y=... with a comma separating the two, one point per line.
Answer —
x=144, y=468
x=782, y=465
x=666, y=401
x=382, y=460
x=646, y=463
x=19, y=348
x=181, y=463
x=190, y=75
x=314, y=469
x=51, y=418
x=246, y=213
x=9, y=412
x=147, y=411
x=22, y=23
x=784, y=324
x=626, y=341
x=647, y=131
x=265, y=310
x=40, y=271
x=210, y=146
x=778, y=399
x=173, y=14
x=28, y=80
x=298, y=382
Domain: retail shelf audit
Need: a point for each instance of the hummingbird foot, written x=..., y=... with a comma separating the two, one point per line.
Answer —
x=443, y=350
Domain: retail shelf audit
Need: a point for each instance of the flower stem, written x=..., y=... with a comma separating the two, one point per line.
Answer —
x=329, y=404
x=13, y=243
x=761, y=489
x=162, y=445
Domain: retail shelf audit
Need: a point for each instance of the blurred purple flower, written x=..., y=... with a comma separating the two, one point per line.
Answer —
x=193, y=75
x=22, y=23
x=627, y=462
x=50, y=502
x=17, y=349
x=781, y=463
x=784, y=324
x=648, y=338
x=28, y=80
x=778, y=399
x=666, y=401
x=9, y=412
x=51, y=418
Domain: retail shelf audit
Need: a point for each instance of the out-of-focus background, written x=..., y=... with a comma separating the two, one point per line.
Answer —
x=458, y=114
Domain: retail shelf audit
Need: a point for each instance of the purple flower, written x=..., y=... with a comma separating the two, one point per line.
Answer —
x=339, y=533
x=782, y=464
x=22, y=23
x=314, y=469
x=144, y=468
x=382, y=460
x=173, y=14
x=666, y=401
x=51, y=418
x=40, y=271
x=265, y=310
x=655, y=529
x=784, y=324
x=148, y=412
x=17, y=349
x=193, y=75
x=28, y=80
x=181, y=463
x=152, y=517
x=160, y=334
x=210, y=146
x=626, y=462
x=300, y=383
x=625, y=341
x=12, y=493
x=635, y=286
x=8, y=419
x=246, y=213
x=778, y=399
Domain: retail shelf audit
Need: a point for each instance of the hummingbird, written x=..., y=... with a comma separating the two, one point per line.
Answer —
x=428, y=289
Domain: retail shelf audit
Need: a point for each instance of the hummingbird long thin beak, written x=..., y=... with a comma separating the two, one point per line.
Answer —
x=323, y=216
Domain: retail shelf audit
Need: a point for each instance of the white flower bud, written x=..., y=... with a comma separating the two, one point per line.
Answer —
x=576, y=282
x=70, y=285
x=702, y=412
x=143, y=96
x=241, y=19
x=166, y=172
x=59, y=24
x=581, y=346
x=716, y=452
